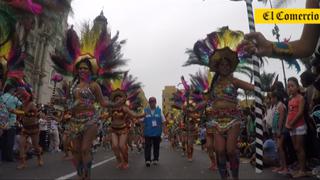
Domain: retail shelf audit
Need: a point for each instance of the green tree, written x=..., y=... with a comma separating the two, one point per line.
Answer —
x=266, y=81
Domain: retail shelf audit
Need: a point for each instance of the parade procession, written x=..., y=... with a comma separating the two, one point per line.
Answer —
x=159, y=89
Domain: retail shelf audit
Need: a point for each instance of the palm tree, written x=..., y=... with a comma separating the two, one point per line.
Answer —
x=266, y=81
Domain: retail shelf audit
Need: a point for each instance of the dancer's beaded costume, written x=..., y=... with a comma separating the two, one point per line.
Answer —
x=221, y=106
x=104, y=55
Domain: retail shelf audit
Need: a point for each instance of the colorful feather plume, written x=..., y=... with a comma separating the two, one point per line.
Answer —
x=15, y=65
x=179, y=99
x=204, y=49
x=96, y=43
x=48, y=12
x=72, y=45
x=201, y=81
x=185, y=84
x=128, y=84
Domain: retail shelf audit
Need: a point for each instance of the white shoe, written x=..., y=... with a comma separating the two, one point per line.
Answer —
x=148, y=163
x=155, y=162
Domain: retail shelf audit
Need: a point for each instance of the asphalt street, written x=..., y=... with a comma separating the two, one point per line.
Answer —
x=171, y=166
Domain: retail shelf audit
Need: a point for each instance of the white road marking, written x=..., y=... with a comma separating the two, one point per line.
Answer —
x=68, y=176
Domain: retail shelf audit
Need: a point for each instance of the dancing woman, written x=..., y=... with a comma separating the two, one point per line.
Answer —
x=30, y=126
x=220, y=52
x=84, y=92
x=20, y=92
x=184, y=100
x=83, y=126
x=122, y=91
x=201, y=83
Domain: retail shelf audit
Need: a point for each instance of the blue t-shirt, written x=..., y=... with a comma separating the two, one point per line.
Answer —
x=270, y=149
x=12, y=102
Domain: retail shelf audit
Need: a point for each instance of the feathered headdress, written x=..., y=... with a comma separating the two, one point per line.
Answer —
x=24, y=12
x=15, y=70
x=12, y=61
x=7, y=26
x=201, y=83
x=96, y=45
x=126, y=87
x=181, y=96
x=224, y=41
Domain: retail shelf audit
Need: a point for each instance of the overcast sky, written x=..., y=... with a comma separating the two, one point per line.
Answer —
x=159, y=31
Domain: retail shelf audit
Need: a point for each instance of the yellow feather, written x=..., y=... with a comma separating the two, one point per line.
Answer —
x=5, y=50
x=116, y=84
x=89, y=38
x=210, y=76
x=228, y=38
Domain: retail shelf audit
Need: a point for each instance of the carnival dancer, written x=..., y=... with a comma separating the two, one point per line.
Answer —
x=66, y=140
x=21, y=93
x=62, y=93
x=201, y=83
x=183, y=137
x=137, y=134
x=192, y=132
x=83, y=123
x=125, y=90
x=105, y=130
x=220, y=52
x=179, y=98
x=171, y=132
x=184, y=100
x=86, y=60
x=30, y=126
x=131, y=134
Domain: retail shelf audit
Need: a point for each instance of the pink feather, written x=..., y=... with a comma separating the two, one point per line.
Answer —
x=15, y=74
x=184, y=83
x=27, y=5
x=57, y=77
x=101, y=45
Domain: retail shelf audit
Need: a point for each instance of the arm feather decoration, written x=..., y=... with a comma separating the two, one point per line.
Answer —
x=292, y=62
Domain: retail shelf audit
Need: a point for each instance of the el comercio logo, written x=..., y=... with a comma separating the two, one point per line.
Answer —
x=287, y=16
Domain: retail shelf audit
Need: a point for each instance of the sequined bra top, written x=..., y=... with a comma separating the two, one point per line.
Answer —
x=118, y=118
x=225, y=90
x=86, y=97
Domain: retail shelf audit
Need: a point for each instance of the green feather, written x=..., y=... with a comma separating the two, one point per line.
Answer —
x=7, y=25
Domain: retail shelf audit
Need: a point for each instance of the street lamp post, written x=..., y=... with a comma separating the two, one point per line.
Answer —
x=258, y=96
